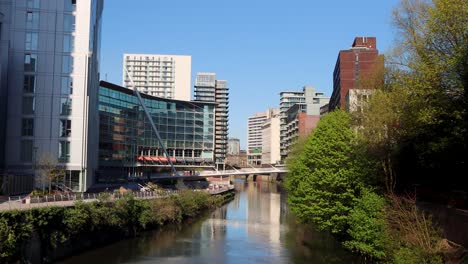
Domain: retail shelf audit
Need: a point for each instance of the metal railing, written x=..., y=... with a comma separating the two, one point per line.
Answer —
x=24, y=203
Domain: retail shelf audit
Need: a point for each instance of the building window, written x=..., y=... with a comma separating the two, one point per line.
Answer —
x=67, y=85
x=68, y=43
x=68, y=23
x=65, y=106
x=65, y=128
x=27, y=128
x=70, y=5
x=316, y=101
x=67, y=64
x=28, y=105
x=26, y=150
x=30, y=62
x=33, y=4
x=29, y=84
x=31, y=41
x=64, y=151
x=32, y=20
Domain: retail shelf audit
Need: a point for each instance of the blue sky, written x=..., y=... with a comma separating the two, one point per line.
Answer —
x=259, y=47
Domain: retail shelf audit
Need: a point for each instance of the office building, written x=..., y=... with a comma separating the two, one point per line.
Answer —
x=233, y=146
x=166, y=76
x=128, y=146
x=51, y=92
x=208, y=89
x=351, y=69
x=271, y=140
x=287, y=99
x=301, y=117
x=255, y=135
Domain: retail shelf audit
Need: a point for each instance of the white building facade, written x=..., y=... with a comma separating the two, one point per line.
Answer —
x=233, y=146
x=166, y=76
x=255, y=125
x=271, y=140
x=52, y=86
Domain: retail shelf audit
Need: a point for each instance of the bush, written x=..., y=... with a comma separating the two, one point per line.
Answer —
x=367, y=227
x=413, y=231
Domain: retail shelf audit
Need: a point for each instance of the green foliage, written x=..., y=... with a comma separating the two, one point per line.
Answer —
x=367, y=226
x=405, y=255
x=126, y=216
x=15, y=227
x=326, y=178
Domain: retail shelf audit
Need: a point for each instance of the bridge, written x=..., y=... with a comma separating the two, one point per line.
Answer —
x=244, y=171
x=221, y=173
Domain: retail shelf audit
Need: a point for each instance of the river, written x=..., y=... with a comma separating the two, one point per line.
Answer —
x=255, y=227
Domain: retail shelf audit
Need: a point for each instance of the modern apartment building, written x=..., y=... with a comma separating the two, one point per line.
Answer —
x=300, y=113
x=51, y=89
x=254, y=138
x=4, y=48
x=255, y=135
x=351, y=68
x=287, y=99
x=128, y=145
x=166, y=76
x=208, y=89
x=233, y=146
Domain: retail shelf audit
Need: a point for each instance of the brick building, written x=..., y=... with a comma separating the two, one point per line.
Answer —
x=352, y=66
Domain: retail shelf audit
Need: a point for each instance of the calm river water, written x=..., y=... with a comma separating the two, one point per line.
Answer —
x=255, y=227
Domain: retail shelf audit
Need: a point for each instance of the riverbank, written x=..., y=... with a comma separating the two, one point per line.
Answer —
x=47, y=234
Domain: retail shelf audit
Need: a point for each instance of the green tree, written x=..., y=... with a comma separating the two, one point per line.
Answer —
x=327, y=177
x=432, y=62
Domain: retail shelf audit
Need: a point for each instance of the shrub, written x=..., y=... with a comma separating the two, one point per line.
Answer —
x=367, y=227
x=414, y=231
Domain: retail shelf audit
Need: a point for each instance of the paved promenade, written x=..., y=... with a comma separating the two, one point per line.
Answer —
x=23, y=203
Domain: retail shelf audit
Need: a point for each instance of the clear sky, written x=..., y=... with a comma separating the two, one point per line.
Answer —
x=261, y=47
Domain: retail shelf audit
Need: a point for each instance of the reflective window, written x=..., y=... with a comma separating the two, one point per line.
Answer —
x=28, y=105
x=33, y=4
x=64, y=151
x=30, y=62
x=68, y=43
x=29, y=84
x=70, y=5
x=65, y=128
x=31, y=41
x=32, y=20
x=67, y=64
x=27, y=128
x=67, y=85
x=68, y=23
x=65, y=106
x=26, y=150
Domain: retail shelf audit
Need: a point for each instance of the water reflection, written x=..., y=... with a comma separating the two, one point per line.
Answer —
x=253, y=228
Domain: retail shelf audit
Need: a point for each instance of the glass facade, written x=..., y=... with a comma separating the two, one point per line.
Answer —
x=127, y=141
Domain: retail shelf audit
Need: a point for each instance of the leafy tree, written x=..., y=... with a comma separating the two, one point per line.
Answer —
x=367, y=226
x=327, y=177
x=432, y=61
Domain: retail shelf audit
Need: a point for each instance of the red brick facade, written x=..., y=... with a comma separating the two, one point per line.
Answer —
x=352, y=65
x=306, y=123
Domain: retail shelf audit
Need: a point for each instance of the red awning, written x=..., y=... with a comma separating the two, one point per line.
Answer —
x=173, y=160
x=147, y=158
x=140, y=158
x=163, y=159
x=155, y=159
